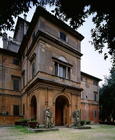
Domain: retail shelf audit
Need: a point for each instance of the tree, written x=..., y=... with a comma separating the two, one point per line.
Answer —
x=103, y=18
x=107, y=98
x=76, y=12
x=10, y=9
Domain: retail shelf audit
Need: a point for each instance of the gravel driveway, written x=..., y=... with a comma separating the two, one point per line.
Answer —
x=97, y=132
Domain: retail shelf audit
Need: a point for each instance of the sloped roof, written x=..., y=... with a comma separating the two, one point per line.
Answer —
x=91, y=76
x=8, y=52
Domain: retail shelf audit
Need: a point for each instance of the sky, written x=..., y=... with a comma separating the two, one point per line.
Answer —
x=92, y=62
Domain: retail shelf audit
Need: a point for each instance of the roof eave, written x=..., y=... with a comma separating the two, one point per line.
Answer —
x=91, y=76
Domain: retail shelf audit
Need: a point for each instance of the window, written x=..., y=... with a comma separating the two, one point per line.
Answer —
x=23, y=109
x=33, y=69
x=62, y=36
x=84, y=79
x=95, y=96
x=82, y=95
x=23, y=78
x=95, y=83
x=56, y=68
x=16, y=110
x=68, y=73
x=16, y=83
x=33, y=35
x=87, y=83
x=81, y=78
x=32, y=61
x=95, y=114
x=62, y=71
x=15, y=61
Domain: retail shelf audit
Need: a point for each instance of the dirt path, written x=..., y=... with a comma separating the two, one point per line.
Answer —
x=6, y=133
x=96, y=133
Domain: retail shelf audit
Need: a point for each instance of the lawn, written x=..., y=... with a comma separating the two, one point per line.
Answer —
x=98, y=132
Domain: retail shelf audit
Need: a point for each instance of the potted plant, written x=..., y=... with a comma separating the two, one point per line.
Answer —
x=32, y=124
x=22, y=122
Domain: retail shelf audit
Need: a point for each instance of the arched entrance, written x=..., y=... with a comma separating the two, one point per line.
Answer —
x=33, y=108
x=61, y=111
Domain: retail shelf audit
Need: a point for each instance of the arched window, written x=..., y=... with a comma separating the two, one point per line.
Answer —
x=62, y=59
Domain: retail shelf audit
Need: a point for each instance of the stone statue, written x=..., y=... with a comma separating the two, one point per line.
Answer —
x=48, y=116
x=76, y=117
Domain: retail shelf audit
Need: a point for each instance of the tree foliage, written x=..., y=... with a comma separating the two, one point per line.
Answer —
x=107, y=98
x=10, y=9
x=76, y=12
x=103, y=19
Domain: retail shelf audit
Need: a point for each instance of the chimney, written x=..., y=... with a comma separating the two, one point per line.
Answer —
x=25, y=25
x=5, y=40
x=25, y=16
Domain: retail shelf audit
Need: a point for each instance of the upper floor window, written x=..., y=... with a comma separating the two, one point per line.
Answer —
x=16, y=110
x=95, y=113
x=33, y=35
x=62, y=36
x=23, y=109
x=95, y=96
x=95, y=83
x=16, y=83
x=81, y=78
x=33, y=69
x=87, y=83
x=62, y=70
x=82, y=95
x=32, y=61
x=16, y=61
x=23, y=78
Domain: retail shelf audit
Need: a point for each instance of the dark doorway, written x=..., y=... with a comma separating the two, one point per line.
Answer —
x=61, y=111
x=33, y=108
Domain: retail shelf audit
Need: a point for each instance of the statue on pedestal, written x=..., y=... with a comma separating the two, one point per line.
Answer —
x=76, y=117
x=48, y=117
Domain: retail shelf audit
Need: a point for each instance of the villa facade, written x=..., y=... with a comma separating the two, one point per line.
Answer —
x=40, y=68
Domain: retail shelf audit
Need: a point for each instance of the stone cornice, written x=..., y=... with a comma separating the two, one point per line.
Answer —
x=46, y=83
x=43, y=36
x=6, y=94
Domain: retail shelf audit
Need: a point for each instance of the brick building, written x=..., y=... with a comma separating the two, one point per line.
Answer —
x=40, y=68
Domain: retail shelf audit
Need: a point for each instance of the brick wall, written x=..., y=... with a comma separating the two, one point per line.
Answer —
x=9, y=120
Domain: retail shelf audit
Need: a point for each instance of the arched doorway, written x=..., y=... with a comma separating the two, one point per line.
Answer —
x=33, y=108
x=61, y=111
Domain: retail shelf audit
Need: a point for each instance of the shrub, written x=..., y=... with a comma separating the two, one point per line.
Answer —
x=22, y=122
x=33, y=120
x=88, y=122
x=82, y=122
x=33, y=124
